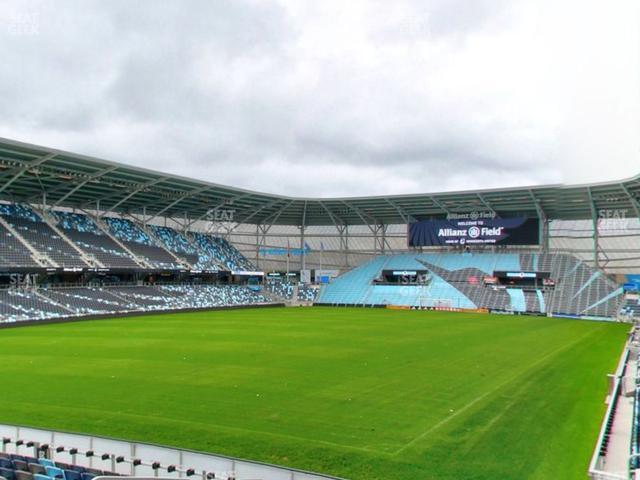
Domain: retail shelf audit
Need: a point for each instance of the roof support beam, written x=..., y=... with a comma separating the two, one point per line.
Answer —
x=91, y=178
x=362, y=216
x=332, y=215
x=486, y=204
x=180, y=199
x=543, y=228
x=210, y=208
x=244, y=220
x=136, y=191
x=275, y=215
x=20, y=170
x=406, y=218
x=268, y=205
x=439, y=205
x=634, y=202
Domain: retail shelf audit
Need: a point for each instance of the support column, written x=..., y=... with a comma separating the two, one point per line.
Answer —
x=596, y=234
x=303, y=253
x=346, y=246
x=303, y=226
x=596, y=243
x=546, y=235
x=258, y=246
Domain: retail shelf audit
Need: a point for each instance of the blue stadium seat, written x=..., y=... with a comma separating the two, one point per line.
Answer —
x=88, y=476
x=20, y=465
x=37, y=468
x=8, y=474
x=72, y=475
x=22, y=475
x=76, y=468
x=55, y=472
x=6, y=463
x=45, y=462
x=39, y=476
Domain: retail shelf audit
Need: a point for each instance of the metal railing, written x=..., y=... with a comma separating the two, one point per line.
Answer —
x=140, y=460
x=596, y=466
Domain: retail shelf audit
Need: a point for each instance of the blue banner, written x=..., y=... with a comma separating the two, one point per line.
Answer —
x=292, y=252
x=633, y=282
x=479, y=231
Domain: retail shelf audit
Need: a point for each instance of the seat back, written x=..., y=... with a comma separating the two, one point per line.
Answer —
x=20, y=475
x=55, y=472
x=71, y=475
x=37, y=468
x=8, y=474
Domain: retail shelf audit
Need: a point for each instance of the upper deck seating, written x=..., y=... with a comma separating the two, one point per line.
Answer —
x=215, y=251
x=456, y=279
x=40, y=235
x=12, y=251
x=86, y=234
x=140, y=243
x=177, y=243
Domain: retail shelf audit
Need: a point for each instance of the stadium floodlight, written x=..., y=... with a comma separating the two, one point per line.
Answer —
x=211, y=475
x=73, y=451
x=119, y=459
x=44, y=447
x=136, y=462
x=5, y=440
x=30, y=443
x=59, y=449
x=105, y=456
x=19, y=442
x=89, y=453
x=155, y=465
x=171, y=468
x=190, y=472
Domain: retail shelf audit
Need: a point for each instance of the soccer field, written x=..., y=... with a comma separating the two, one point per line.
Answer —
x=359, y=393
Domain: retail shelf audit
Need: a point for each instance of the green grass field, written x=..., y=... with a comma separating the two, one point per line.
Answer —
x=364, y=394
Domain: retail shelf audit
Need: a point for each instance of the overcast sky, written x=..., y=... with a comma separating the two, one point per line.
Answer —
x=323, y=98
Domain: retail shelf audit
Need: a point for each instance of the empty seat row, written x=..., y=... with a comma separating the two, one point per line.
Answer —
x=48, y=302
x=160, y=246
x=20, y=467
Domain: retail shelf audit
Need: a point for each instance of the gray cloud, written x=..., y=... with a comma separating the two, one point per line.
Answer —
x=328, y=98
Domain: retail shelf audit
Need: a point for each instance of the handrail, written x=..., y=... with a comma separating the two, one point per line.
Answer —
x=184, y=462
x=594, y=470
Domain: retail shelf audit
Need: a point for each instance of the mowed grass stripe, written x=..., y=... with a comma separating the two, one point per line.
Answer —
x=358, y=393
x=528, y=369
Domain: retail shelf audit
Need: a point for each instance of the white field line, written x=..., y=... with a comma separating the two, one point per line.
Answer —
x=489, y=392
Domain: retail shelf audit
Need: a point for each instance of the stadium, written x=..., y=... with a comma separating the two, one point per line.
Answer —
x=336, y=240
x=171, y=327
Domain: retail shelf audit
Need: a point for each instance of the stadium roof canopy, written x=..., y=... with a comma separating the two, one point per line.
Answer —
x=31, y=173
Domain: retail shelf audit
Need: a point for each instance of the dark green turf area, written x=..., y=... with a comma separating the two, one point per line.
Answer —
x=360, y=393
